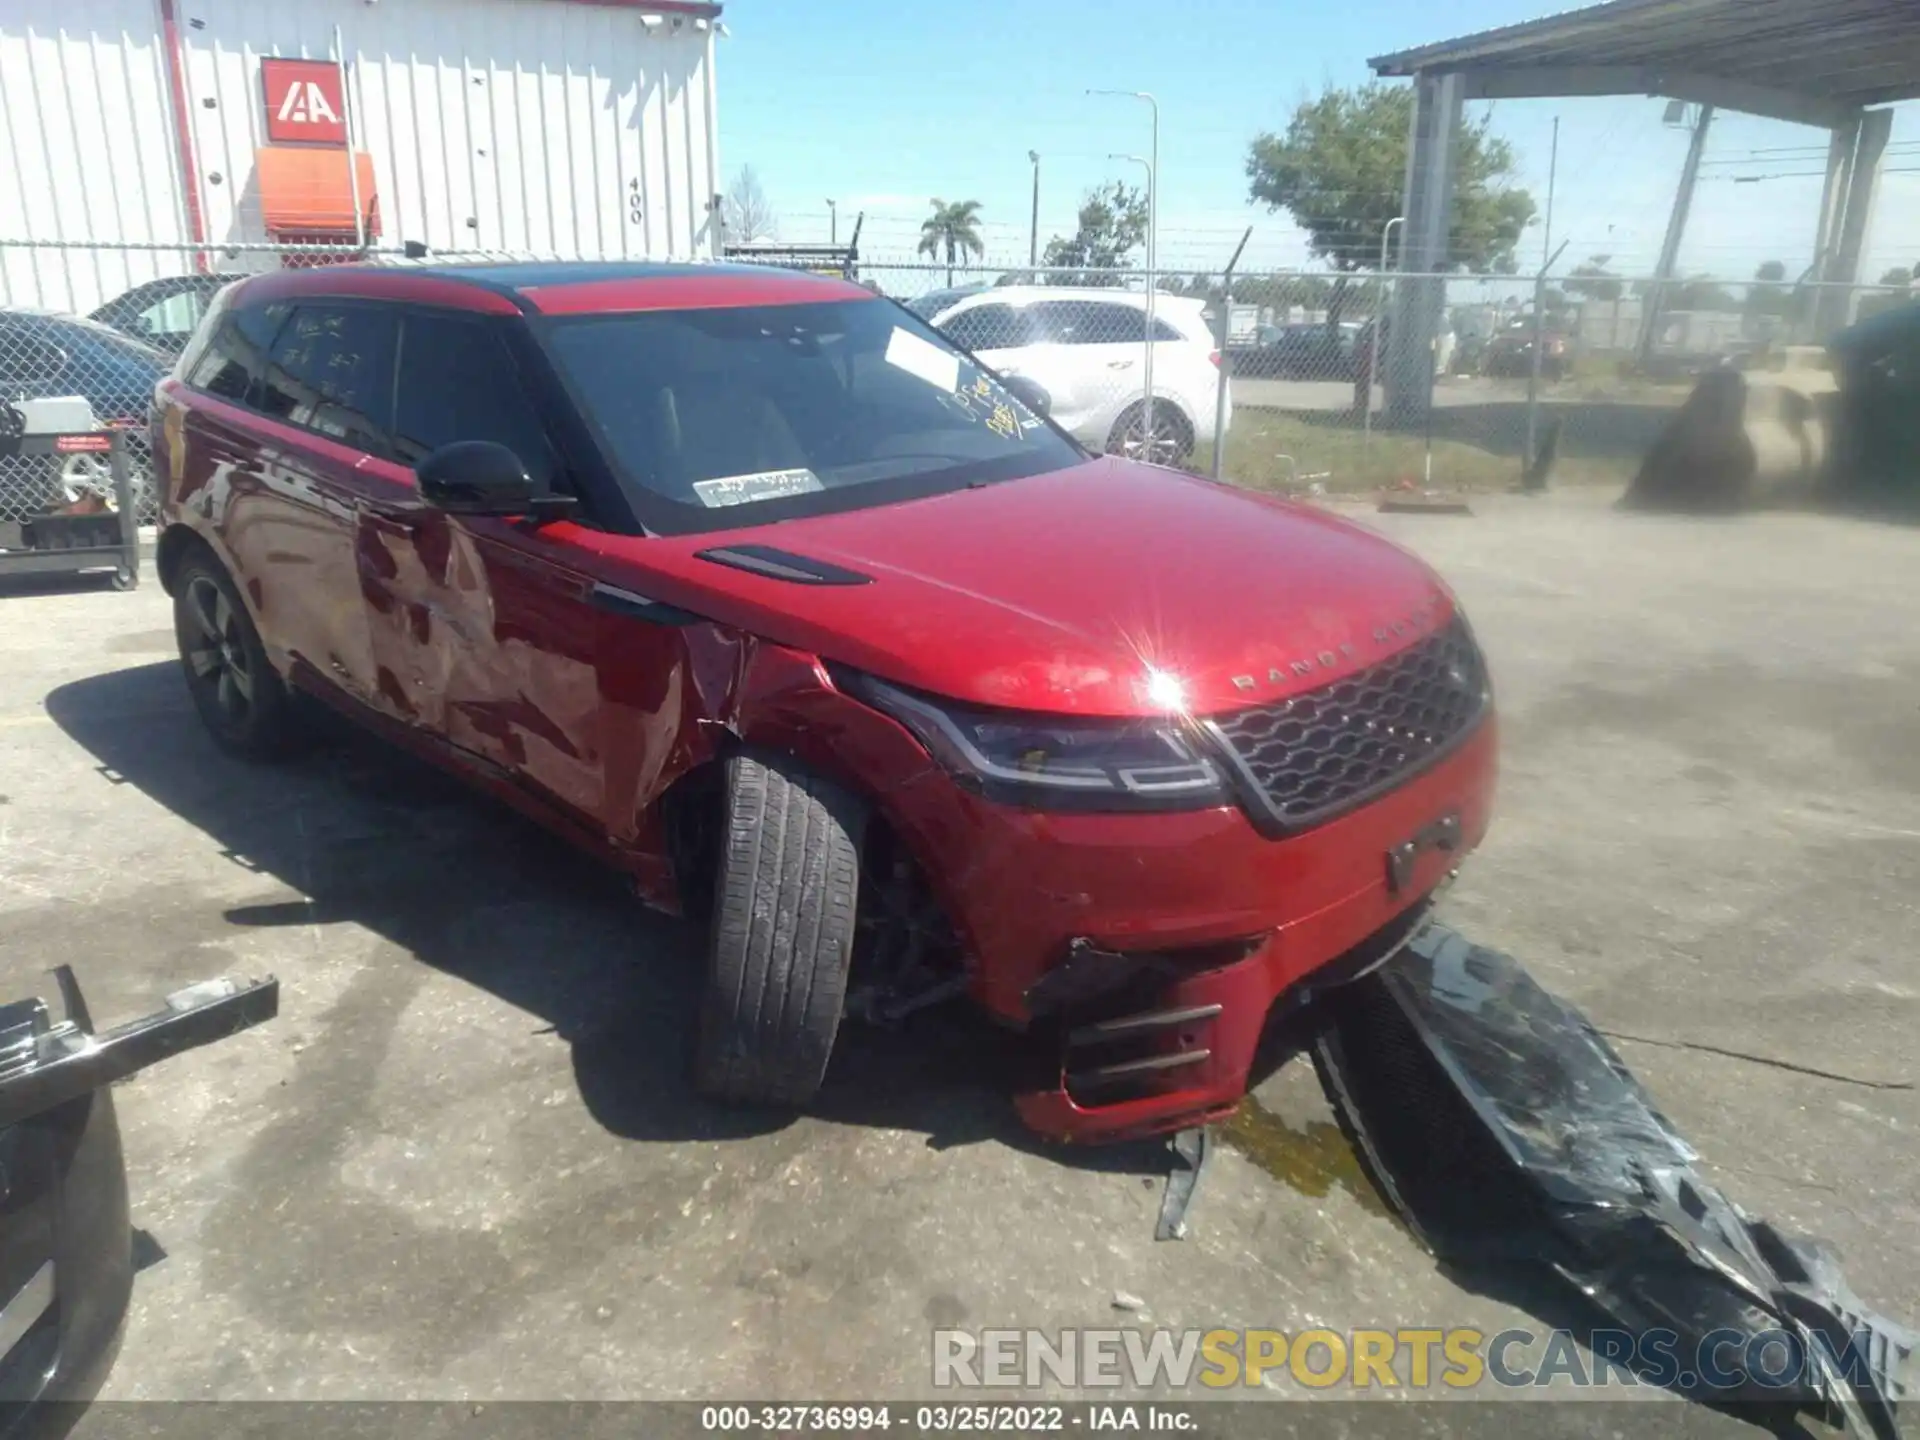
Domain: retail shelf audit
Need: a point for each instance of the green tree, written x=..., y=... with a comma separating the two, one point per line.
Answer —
x=1281, y=294
x=953, y=229
x=1111, y=225
x=1593, y=281
x=1896, y=282
x=1700, y=292
x=1338, y=171
x=1768, y=298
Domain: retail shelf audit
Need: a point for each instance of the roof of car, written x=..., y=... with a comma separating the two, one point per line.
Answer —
x=561, y=287
x=1028, y=294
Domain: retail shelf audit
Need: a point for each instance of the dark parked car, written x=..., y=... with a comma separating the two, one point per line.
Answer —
x=753, y=585
x=164, y=312
x=43, y=355
x=1509, y=354
x=1314, y=351
x=1877, y=362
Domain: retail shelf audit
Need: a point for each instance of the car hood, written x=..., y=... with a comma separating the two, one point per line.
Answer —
x=1064, y=592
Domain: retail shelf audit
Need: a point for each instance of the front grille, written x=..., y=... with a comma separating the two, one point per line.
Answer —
x=1313, y=755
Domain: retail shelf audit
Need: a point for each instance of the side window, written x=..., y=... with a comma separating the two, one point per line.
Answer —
x=1116, y=325
x=1091, y=322
x=1163, y=331
x=457, y=381
x=173, y=317
x=1060, y=321
x=236, y=356
x=988, y=327
x=331, y=370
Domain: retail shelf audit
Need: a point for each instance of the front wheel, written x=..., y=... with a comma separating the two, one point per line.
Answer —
x=243, y=702
x=1172, y=440
x=784, y=904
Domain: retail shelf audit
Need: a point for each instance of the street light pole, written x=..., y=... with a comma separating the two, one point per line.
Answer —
x=1033, y=234
x=1153, y=238
x=1147, y=376
x=833, y=223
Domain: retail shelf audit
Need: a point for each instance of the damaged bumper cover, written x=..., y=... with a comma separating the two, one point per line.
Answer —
x=1504, y=1129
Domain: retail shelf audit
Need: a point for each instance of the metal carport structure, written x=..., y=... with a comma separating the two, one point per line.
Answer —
x=1825, y=64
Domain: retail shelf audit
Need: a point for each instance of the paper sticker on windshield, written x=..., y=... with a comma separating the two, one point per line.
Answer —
x=922, y=358
x=767, y=485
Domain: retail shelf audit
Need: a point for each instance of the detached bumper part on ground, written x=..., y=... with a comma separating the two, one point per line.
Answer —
x=66, y=1247
x=1505, y=1130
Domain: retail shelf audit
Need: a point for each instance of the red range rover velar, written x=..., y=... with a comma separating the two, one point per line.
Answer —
x=751, y=584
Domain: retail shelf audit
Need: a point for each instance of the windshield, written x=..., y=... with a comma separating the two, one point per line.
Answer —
x=742, y=415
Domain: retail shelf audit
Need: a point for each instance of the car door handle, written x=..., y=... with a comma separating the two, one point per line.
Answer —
x=1120, y=364
x=404, y=519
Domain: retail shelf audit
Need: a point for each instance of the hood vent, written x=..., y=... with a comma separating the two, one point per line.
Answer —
x=778, y=564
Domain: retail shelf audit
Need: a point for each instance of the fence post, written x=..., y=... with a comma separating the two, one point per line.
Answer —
x=1373, y=356
x=1539, y=338
x=1226, y=334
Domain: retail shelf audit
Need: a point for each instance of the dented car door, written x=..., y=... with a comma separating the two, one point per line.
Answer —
x=482, y=630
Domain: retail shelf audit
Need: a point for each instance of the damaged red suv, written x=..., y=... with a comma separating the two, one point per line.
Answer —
x=751, y=584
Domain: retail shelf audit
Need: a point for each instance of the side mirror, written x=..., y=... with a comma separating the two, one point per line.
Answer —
x=483, y=477
x=1029, y=393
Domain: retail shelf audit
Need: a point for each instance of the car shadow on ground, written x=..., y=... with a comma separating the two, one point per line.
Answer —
x=358, y=831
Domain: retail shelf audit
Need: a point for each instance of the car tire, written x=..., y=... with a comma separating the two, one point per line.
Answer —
x=1173, y=435
x=246, y=706
x=781, y=942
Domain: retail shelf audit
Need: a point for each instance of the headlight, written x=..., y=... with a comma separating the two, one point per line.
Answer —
x=1147, y=764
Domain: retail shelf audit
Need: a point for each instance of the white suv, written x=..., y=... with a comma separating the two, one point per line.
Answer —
x=1086, y=349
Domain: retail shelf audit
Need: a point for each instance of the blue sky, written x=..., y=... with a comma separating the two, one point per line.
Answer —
x=881, y=105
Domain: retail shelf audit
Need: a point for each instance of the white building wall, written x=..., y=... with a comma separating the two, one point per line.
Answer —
x=86, y=149
x=573, y=129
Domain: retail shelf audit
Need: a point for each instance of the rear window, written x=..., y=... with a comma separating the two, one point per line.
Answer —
x=236, y=355
x=739, y=415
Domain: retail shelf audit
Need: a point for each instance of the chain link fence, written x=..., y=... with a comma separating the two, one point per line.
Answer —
x=64, y=371
x=1532, y=379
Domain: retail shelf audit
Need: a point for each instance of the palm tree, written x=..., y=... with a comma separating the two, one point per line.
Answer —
x=954, y=228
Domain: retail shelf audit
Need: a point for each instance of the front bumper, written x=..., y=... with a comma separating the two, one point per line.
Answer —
x=1154, y=946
